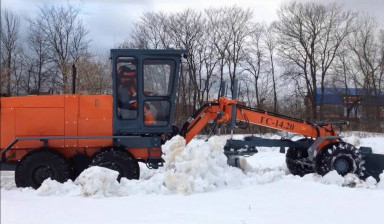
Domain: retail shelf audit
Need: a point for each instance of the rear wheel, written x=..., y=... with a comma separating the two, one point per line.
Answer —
x=297, y=159
x=342, y=157
x=39, y=165
x=119, y=160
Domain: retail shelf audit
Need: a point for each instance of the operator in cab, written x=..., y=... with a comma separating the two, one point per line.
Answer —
x=127, y=95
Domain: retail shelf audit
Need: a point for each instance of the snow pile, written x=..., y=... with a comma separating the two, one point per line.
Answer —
x=349, y=180
x=94, y=181
x=98, y=181
x=198, y=167
x=331, y=178
x=52, y=187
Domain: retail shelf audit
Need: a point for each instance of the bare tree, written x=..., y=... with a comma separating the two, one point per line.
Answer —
x=10, y=26
x=39, y=61
x=269, y=39
x=338, y=26
x=308, y=40
x=219, y=37
x=310, y=35
x=343, y=74
x=151, y=32
x=66, y=37
x=367, y=45
x=19, y=66
x=211, y=62
x=94, y=76
x=238, y=23
x=187, y=32
x=254, y=60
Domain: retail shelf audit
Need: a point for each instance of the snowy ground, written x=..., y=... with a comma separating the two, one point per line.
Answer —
x=196, y=186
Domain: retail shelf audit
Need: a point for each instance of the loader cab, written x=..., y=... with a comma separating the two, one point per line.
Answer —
x=144, y=90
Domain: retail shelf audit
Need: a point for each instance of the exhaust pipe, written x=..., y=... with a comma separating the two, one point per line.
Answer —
x=74, y=79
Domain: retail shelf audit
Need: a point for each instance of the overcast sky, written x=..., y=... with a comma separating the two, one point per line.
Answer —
x=109, y=21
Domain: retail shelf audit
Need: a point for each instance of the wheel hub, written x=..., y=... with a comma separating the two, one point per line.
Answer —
x=343, y=165
x=41, y=173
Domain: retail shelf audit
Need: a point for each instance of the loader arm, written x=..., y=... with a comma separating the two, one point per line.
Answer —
x=220, y=111
x=199, y=120
x=283, y=123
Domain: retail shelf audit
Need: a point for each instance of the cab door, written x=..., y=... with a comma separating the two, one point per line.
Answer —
x=145, y=84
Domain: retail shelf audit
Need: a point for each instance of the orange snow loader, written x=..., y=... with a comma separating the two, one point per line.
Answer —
x=58, y=136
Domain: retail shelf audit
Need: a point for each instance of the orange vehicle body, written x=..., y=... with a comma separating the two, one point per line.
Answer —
x=58, y=115
x=91, y=115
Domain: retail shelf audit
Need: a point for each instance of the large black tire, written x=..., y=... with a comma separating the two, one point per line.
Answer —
x=340, y=156
x=79, y=163
x=39, y=165
x=119, y=160
x=298, y=154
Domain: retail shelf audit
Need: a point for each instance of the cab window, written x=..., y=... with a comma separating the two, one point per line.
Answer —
x=156, y=112
x=157, y=76
x=126, y=81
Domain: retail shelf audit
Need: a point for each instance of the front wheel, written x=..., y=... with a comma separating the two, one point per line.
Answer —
x=39, y=165
x=340, y=156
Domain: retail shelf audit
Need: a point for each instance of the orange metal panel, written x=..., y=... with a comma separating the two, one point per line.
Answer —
x=39, y=121
x=33, y=101
x=7, y=125
x=140, y=153
x=70, y=119
x=60, y=115
x=95, y=106
x=94, y=126
x=95, y=118
x=31, y=116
